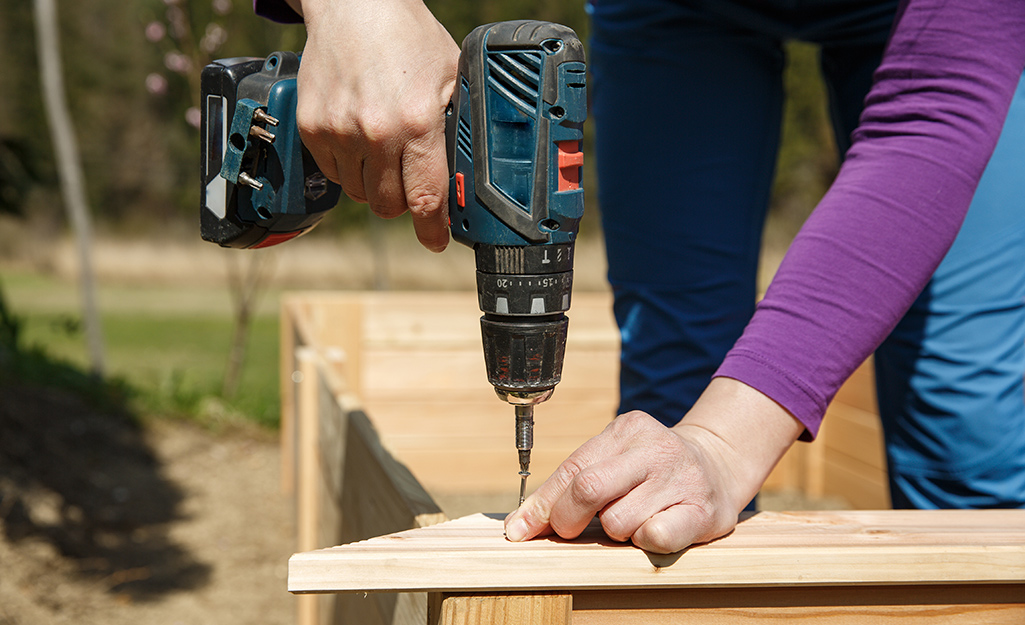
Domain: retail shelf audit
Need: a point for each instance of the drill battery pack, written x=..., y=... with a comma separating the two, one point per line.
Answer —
x=259, y=184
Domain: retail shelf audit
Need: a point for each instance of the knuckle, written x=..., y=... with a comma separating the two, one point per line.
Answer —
x=379, y=128
x=425, y=116
x=632, y=421
x=567, y=472
x=426, y=205
x=588, y=489
x=314, y=121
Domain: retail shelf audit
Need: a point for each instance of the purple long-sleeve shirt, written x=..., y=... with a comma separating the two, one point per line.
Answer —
x=930, y=123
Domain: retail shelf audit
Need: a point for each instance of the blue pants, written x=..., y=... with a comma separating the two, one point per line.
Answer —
x=687, y=101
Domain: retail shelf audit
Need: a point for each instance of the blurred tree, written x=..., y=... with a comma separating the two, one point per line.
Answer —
x=16, y=175
x=65, y=145
x=18, y=172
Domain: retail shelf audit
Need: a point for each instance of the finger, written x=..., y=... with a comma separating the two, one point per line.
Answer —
x=425, y=182
x=518, y=530
x=325, y=135
x=593, y=489
x=623, y=516
x=680, y=526
x=532, y=518
x=325, y=161
x=338, y=162
x=382, y=180
x=671, y=478
x=350, y=177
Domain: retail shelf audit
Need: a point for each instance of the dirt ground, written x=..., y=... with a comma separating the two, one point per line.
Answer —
x=106, y=521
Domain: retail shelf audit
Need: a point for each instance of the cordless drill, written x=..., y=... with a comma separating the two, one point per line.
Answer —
x=514, y=132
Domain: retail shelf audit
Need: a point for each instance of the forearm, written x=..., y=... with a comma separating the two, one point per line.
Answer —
x=296, y=10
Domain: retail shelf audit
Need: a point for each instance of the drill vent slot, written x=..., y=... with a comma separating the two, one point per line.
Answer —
x=463, y=137
x=517, y=75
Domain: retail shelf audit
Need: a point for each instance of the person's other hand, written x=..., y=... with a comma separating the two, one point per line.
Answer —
x=375, y=80
x=664, y=488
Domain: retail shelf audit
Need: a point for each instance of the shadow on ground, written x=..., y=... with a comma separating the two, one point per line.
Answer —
x=77, y=472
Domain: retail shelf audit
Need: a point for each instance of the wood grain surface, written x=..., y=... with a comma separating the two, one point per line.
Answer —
x=766, y=549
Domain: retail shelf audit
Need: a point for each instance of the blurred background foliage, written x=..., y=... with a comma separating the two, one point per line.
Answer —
x=131, y=74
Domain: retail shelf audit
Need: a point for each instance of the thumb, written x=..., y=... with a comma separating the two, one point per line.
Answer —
x=522, y=525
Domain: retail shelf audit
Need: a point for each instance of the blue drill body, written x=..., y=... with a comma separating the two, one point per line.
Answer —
x=518, y=130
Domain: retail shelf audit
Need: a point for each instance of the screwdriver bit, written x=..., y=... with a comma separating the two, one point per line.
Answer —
x=524, y=443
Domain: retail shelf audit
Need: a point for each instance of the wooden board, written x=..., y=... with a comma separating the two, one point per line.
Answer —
x=767, y=549
x=974, y=604
x=508, y=609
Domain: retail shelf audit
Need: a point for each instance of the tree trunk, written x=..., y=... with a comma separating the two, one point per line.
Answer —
x=246, y=284
x=69, y=169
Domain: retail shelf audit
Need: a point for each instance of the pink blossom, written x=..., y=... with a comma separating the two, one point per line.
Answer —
x=193, y=116
x=178, y=22
x=155, y=31
x=177, y=62
x=213, y=39
x=222, y=7
x=156, y=84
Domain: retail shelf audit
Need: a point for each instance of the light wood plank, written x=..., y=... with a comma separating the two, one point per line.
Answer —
x=308, y=485
x=767, y=549
x=859, y=391
x=857, y=434
x=307, y=505
x=286, y=385
x=976, y=604
x=482, y=470
x=500, y=609
x=438, y=369
x=863, y=487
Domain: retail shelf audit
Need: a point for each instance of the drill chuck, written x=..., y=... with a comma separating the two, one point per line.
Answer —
x=524, y=293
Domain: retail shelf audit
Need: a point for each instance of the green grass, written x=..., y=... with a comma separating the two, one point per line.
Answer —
x=172, y=357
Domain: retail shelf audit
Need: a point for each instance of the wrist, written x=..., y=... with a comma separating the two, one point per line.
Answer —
x=748, y=431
